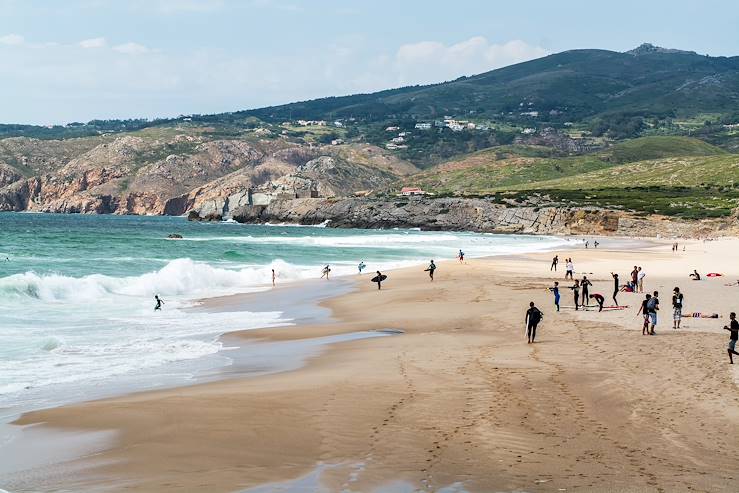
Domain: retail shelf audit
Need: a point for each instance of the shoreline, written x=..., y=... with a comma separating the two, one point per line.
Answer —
x=509, y=274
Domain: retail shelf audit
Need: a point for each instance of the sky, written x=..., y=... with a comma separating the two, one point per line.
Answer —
x=76, y=60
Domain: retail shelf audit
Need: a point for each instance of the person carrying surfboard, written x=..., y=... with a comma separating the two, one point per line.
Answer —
x=378, y=279
x=532, y=319
x=361, y=266
x=430, y=269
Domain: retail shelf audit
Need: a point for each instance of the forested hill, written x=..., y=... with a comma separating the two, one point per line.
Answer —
x=599, y=89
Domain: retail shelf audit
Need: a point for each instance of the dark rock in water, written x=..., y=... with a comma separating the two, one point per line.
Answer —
x=213, y=217
x=194, y=216
x=174, y=236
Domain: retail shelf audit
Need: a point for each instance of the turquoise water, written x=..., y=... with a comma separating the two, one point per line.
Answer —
x=76, y=291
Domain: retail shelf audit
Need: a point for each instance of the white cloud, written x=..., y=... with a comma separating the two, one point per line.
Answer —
x=131, y=48
x=93, y=43
x=431, y=61
x=12, y=39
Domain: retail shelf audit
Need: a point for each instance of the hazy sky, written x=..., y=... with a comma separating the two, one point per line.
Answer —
x=75, y=60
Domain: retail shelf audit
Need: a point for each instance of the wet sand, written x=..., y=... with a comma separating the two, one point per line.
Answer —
x=458, y=401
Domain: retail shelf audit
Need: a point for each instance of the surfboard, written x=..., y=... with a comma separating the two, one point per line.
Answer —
x=378, y=278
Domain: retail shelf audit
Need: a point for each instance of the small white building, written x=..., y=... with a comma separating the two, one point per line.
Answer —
x=411, y=191
x=392, y=129
x=423, y=126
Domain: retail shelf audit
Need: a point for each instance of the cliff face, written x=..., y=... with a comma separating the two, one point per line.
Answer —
x=471, y=215
x=174, y=173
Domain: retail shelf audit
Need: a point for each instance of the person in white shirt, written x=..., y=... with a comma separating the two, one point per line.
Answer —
x=570, y=269
x=640, y=279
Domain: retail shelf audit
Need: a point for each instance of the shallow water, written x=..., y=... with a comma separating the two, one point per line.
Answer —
x=76, y=293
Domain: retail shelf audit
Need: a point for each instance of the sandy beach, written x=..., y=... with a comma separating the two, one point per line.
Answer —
x=459, y=401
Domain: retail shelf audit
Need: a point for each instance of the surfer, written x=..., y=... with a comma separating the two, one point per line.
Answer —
x=584, y=285
x=361, y=266
x=616, y=287
x=599, y=299
x=555, y=261
x=430, y=269
x=555, y=290
x=378, y=279
x=733, y=329
x=274, y=276
x=159, y=302
x=533, y=317
x=325, y=272
x=576, y=291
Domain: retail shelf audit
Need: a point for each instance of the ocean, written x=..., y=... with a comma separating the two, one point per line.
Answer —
x=77, y=291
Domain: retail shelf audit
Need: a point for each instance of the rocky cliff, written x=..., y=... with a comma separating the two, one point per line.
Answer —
x=171, y=172
x=474, y=215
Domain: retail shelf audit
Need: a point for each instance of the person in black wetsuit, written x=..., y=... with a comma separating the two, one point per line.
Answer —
x=533, y=317
x=733, y=328
x=616, y=287
x=576, y=291
x=379, y=280
x=555, y=261
x=584, y=285
x=431, y=268
x=599, y=299
x=159, y=302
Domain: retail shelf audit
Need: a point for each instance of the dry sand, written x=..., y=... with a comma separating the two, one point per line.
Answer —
x=460, y=399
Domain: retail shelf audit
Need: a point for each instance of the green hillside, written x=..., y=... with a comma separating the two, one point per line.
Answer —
x=668, y=175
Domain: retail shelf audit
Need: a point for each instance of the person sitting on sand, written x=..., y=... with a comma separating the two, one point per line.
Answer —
x=599, y=299
x=159, y=302
x=325, y=272
x=695, y=276
x=532, y=319
x=733, y=329
x=555, y=290
x=430, y=269
x=644, y=311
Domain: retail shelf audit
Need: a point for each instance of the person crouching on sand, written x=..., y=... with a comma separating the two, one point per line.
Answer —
x=533, y=317
x=599, y=299
x=733, y=329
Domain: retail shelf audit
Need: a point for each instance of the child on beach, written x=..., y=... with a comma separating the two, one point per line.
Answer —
x=644, y=311
x=555, y=290
x=733, y=329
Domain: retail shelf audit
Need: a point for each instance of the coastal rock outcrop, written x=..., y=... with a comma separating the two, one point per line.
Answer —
x=463, y=215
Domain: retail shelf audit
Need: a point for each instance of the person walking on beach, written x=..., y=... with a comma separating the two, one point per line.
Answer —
x=576, y=292
x=652, y=309
x=570, y=269
x=461, y=256
x=325, y=272
x=584, y=284
x=598, y=299
x=586, y=244
x=616, y=287
x=644, y=311
x=640, y=279
x=159, y=302
x=555, y=290
x=555, y=261
x=274, y=276
x=379, y=279
x=677, y=308
x=595, y=244
x=361, y=266
x=430, y=269
x=733, y=329
x=533, y=317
